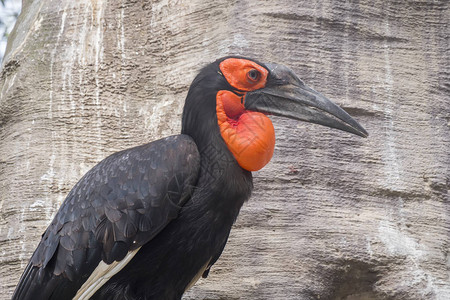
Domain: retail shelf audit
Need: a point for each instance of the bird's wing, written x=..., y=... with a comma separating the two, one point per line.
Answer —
x=118, y=206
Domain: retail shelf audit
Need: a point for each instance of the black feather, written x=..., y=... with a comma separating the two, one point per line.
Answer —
x=120, y=201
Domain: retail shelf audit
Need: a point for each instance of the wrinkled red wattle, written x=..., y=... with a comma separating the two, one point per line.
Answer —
x=250, y=136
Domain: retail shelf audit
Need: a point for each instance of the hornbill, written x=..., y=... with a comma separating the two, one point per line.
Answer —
x=147, y=222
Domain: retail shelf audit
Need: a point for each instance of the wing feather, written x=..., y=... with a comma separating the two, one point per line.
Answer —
x=118, y=206
x=102, y=273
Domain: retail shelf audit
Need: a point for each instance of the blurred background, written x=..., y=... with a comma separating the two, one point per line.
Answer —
x=9, y=11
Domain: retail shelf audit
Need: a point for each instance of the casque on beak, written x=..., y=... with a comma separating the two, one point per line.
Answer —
x=287, y=96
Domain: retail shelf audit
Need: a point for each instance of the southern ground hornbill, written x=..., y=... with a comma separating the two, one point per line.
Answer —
x=147, y=222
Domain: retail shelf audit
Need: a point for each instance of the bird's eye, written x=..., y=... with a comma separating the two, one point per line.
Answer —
x=253, y=75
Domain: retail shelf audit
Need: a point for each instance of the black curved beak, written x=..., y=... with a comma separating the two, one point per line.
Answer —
x=287, y=96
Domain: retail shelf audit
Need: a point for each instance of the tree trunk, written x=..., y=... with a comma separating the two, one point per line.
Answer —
x=333, y=216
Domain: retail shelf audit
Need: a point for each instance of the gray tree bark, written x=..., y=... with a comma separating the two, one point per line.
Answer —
x=333, y=216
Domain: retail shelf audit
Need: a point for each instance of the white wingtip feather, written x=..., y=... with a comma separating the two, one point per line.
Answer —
x=102, y=273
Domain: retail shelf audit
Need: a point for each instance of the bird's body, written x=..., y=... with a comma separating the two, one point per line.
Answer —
x=167, y=265
x=146, y=222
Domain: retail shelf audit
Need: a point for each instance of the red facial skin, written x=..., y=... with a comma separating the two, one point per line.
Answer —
x=249, y=135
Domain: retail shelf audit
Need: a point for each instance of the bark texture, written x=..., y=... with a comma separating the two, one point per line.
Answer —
x=333, y=216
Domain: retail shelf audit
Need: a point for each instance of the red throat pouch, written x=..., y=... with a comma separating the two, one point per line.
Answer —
x=250, y=136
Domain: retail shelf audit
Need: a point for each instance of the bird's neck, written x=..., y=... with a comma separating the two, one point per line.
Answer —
x=221, y=176
x=223, y=185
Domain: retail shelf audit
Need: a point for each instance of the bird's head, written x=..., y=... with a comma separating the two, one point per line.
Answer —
x=234, y=95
